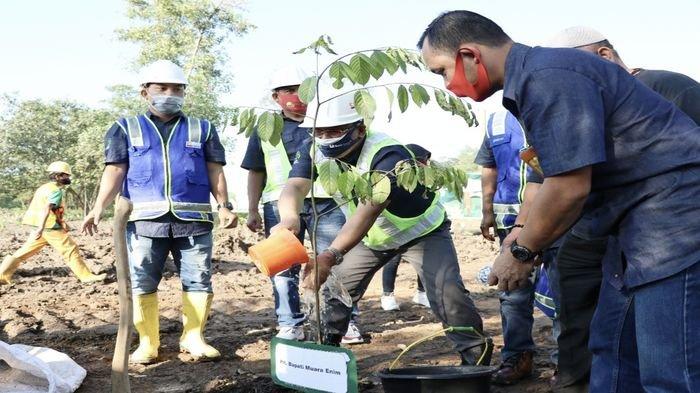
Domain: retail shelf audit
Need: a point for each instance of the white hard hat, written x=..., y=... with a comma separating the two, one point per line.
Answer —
x=59, y=167
x=291, y=75
x=336, y=112
x=574, y=37
x=162, y=71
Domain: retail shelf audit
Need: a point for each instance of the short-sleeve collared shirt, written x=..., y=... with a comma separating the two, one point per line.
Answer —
x=579, y=111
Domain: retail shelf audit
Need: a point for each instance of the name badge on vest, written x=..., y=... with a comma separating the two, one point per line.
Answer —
x=193, y=145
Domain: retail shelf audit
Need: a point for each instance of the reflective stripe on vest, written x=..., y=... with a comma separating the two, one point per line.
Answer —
x=277, y=168
x=503, y=211
x=389, y=231
x=182, y=185
x=506, y=138
x=38, y=205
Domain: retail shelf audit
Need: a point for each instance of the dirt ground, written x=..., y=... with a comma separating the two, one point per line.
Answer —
x=47, y=306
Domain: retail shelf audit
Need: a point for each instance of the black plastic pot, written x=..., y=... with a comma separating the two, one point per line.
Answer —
x=437, y=379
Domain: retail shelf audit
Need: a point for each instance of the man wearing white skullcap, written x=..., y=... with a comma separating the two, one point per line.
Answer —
x=580, y=258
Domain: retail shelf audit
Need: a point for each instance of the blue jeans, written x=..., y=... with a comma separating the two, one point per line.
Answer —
x=147, y=255
x=285, y=285
x=647, y=339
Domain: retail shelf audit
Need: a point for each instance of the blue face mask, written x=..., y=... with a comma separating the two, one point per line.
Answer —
x=167, y=105
x=333, y=147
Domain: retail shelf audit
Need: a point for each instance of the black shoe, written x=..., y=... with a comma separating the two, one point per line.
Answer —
x=332, y=339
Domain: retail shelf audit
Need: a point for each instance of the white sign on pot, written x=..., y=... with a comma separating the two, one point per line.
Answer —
x=312, y=367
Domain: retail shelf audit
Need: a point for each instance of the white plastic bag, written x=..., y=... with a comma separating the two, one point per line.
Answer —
x=38, y=370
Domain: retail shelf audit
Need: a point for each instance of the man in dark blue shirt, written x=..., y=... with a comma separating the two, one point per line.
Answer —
x=614, y=150
x=169, y=165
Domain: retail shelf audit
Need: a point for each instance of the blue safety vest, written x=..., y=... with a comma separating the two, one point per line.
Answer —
x=506, y=138
x=167, y=176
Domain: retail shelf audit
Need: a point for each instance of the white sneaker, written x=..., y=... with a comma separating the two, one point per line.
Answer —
x=421, y=298
x=389, y=303
x=291, y=333
x=353, y=335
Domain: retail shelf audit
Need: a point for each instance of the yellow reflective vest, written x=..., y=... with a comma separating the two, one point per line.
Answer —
x=38, y=205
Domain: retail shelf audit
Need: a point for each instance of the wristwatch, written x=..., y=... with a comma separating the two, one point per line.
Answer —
x=521, y=253
x=336, y=253
x=226, y=205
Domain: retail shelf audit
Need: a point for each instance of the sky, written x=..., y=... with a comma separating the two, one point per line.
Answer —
x=67, y=49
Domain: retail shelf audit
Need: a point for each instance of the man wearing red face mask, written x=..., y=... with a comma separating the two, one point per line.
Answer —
x=268, y=169
x=615, y=155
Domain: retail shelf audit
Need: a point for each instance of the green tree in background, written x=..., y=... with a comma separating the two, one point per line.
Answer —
x=37, y=133
x=193, y=34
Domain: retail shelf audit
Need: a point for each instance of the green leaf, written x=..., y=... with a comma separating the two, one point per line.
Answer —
x=328, y=172
x=381, y=187
x=362, y=187
x=361, y=68
x=428, y=177
x=386, y=61
x=441, y=99
x=277, y=132
x=243, y=119
x=335, y=71
x=402, y=96
x=398, y=57
x=266, y=126
x=307, y=89
x=390, y=96
x=365, y=105
x=338, y=84
x=419, y=94
x=251, y=126
x=346, y=182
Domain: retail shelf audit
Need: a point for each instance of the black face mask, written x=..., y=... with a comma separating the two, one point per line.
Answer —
x=64, y=181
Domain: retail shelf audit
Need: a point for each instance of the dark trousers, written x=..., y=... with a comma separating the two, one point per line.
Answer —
x=389, y=276
x=435, y=259
x=580, y=276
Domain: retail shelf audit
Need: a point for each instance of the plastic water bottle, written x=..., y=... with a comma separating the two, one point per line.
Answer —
x=483, y=275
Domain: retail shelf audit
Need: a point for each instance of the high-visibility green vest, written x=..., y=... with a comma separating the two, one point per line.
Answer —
x=277, y=168
x=38, y=205
x=389, y=231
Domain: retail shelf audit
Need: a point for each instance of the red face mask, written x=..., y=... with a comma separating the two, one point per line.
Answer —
x=291, y=103
x=459, y=84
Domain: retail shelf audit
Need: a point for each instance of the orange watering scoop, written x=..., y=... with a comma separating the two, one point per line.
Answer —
x=278, y=252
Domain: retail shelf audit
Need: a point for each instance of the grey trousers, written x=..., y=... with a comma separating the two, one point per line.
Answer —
x=435, y=259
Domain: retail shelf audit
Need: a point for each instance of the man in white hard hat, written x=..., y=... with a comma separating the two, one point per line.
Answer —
x=268, y=168
x=581, y=255
x=168, y=164
x=410, y=224
x=46, y=214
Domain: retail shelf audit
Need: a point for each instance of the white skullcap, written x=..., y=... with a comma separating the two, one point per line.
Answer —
x=574, y=37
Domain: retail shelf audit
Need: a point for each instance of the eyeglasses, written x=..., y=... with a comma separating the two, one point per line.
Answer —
x=335, y=132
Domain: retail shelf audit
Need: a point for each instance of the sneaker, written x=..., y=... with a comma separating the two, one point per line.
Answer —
x=353, y=335
x=421, y=298
x=291, y=333
x=389, y=302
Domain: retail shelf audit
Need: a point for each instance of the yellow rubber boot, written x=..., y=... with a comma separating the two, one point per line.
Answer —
x=7, y=269
x=147, y=325
x=195, y=311
x=77, y=265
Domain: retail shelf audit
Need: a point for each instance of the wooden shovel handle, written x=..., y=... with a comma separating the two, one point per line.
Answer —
x=120, y=361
